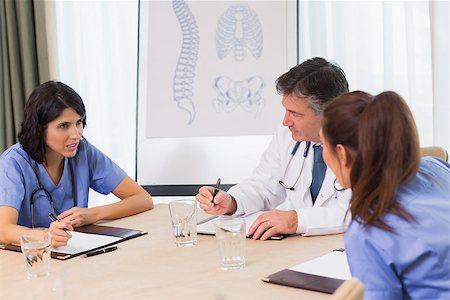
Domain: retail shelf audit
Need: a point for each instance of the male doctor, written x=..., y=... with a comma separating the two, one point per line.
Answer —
x=292, y=167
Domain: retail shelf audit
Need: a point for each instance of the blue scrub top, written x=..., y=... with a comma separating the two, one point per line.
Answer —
x=91, y=168
x=413, y=262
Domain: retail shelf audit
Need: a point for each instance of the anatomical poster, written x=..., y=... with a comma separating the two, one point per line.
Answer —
x=211, y=66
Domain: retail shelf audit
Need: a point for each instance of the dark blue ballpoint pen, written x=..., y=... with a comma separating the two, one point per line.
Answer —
x=55, y=219
x=216, y=191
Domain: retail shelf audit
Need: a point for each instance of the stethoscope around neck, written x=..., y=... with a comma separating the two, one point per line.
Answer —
x=305, y=154
x=336, y=185
x=47, y=193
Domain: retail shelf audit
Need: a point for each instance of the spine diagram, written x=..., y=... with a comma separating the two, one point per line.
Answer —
x=183, y=82
x=238, y=31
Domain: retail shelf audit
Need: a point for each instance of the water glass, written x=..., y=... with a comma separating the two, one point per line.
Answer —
x=35, y=244
x=184, y=221
x=230, y=236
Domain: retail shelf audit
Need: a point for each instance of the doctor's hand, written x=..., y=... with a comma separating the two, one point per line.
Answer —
x=224, y=204
x=274, y=222
x=79, y=216
x=58, y=233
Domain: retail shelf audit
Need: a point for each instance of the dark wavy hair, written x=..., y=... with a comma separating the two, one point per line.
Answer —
x=384, y=151
x=44, y=105
x=315, y=79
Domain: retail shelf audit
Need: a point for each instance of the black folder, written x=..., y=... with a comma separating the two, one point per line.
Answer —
x=335, y=264
x=123, y=233
x=305, y=281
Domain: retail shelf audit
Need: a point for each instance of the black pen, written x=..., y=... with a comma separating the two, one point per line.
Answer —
x=216, y=191
x=339, y=249
x=101, y=251
x=55, y=219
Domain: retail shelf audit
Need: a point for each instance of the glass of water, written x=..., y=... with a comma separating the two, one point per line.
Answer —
x=35, y=244
x=184, y=221
x=230, y=236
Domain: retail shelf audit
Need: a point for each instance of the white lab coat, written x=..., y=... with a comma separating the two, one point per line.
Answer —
x=261, y=191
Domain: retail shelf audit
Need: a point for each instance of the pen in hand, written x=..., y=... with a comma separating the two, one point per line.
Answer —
x=55, y=219
x=216, y=191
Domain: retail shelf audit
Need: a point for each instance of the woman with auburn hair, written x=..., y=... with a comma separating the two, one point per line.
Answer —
x=398, y=243
x=53, y=167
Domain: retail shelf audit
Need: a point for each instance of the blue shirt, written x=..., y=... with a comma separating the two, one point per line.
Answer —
x=91, y=168
x=413, y=262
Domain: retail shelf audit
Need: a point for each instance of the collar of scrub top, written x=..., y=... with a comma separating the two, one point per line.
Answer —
x=47, y=193
x=305, y=154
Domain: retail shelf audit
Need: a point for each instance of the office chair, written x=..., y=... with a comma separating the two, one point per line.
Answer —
x=351, y=289
x=434, y=151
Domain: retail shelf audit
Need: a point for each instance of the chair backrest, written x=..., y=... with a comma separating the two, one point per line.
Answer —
x=351, y=289
x=434, y=151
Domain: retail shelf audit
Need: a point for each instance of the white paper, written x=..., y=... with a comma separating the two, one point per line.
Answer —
x=81, y=242
x=332, y=265
x=208, y=226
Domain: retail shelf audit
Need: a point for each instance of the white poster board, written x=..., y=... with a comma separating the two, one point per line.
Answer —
x=207, y=102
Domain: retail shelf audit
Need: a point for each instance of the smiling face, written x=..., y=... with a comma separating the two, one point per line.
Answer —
x=301, y=119
x=63, y=135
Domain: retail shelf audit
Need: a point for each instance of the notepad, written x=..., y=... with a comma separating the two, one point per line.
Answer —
x=82, y=242
x=323, y=274
x=88, y=238
x=332, y=265
x=207, y=226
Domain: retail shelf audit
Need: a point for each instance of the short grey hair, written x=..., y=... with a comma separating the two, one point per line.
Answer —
x=316, y=80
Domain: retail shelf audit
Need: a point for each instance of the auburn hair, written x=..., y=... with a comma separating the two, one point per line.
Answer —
x=381, y=134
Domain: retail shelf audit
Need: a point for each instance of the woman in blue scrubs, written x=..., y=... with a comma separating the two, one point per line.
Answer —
x=52, y=168
x=398, y=243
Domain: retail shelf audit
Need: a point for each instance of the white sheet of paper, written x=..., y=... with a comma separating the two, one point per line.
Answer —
x=81, y=242
x=208, y=226
x=333, y=265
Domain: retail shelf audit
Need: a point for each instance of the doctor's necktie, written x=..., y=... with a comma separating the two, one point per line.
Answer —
x=318, y=173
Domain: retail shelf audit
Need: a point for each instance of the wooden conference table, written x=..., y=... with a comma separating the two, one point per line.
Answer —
x=152, y=267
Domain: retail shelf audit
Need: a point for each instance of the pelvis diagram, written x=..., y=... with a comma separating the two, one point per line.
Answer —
x=245, y=94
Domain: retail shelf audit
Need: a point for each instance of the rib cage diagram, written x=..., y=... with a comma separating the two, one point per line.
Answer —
x=245, y=93
x=183, y=82
x=238, y=31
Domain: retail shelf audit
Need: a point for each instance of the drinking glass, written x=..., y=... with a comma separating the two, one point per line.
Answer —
x=230, y=236
x=184, y=221
x=35, y=244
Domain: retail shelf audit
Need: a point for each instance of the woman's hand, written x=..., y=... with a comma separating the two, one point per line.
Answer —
x=78, y=216
x=59, y=234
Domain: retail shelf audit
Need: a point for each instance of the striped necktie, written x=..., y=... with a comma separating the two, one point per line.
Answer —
x=318, y=173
